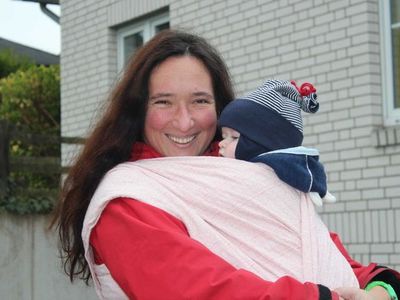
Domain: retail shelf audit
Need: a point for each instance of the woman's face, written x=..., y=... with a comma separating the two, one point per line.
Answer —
x=181, y=115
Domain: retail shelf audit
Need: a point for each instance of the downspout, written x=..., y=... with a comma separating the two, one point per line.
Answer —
x=49, y=13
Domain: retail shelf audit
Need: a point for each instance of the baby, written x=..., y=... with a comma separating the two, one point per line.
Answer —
x=266, y=126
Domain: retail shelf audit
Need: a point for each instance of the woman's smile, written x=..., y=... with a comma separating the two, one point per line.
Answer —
x=181, y=140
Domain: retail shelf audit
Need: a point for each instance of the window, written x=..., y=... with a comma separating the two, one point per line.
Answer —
x=132, y=37
x=390, y=20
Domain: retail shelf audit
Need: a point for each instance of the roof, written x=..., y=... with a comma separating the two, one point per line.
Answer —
x=57, y=2
x=38, y=56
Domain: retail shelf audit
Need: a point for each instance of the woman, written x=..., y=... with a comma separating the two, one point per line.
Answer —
x=166, y=104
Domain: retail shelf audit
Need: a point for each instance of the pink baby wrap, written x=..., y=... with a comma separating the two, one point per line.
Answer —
x=241, y=211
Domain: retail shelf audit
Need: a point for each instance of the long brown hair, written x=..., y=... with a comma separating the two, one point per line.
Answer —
x=121, y=126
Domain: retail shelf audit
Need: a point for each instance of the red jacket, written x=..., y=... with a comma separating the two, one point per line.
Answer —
x=151, y=256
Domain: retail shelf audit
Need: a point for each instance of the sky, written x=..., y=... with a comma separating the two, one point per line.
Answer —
x=24, y=23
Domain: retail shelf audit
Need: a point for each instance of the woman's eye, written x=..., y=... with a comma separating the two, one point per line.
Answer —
x=202, y=101
x=160, y=102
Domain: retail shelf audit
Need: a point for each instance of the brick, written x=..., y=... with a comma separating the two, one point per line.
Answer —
x=367, y=183
x=320, y=30
x=231, y=10
x=368, y=227
x=335, y=5
x=391, y=229
x=350, y=185
x=373, y=172
x=382, y=248
x=330, y=136
x=335, y=166
x=239, y=25
x=356, y=9
x=336, y=35
x=392, y=170
x=397, y=247
x=303, y=5
x=389, y=181
x=329, y=156
x=360, y=111
x=342, y=64
x=342, y=104
x=357, y=206
x=343, y=145
x=375, y=226
x=395, y=259
x=395, y=202
x=360, y=227
x=345, y=227
x=378, y=161
x=358, y=49
x=324, y=19
x=392, y=191
x=344, y=134
x=391, y=136
x=363, y=142
x=251, y=12
x=338, y=75
x=380, y=258
x=350, y=196
x=372, y=151
x=397, y=221
x=372, y=194
x=341, y=84
x=378, y=204
x=335, y=186
x=359, y=248
x=353, y=227
x=363, y=121
x=350, y=154
x=339, y=24
x=320, y=49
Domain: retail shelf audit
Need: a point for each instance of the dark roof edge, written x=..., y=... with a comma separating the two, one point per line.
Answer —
x=38, y=56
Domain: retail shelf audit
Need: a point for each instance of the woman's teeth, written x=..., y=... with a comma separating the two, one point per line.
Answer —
x=181, y=140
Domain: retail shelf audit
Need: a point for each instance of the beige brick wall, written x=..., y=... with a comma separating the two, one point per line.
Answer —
x=333, y=44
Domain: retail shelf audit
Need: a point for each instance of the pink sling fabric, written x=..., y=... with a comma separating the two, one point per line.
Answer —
x=241, y=211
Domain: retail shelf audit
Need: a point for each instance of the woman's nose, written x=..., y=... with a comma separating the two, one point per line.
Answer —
x=184, y=120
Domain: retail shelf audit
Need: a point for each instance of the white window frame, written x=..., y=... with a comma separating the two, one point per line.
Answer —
x=391, y=114
x=148, y=27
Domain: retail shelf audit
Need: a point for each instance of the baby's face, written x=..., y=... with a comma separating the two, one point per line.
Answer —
x=227, y=146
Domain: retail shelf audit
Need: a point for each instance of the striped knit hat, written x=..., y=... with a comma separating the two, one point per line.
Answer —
x=269, y=118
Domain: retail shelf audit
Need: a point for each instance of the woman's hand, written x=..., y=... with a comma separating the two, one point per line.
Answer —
x=351, y=293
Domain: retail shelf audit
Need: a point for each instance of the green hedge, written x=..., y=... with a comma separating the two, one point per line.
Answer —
x=30, y=99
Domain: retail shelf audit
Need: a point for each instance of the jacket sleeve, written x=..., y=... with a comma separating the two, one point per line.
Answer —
x=371, y=272
x=151, y=256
